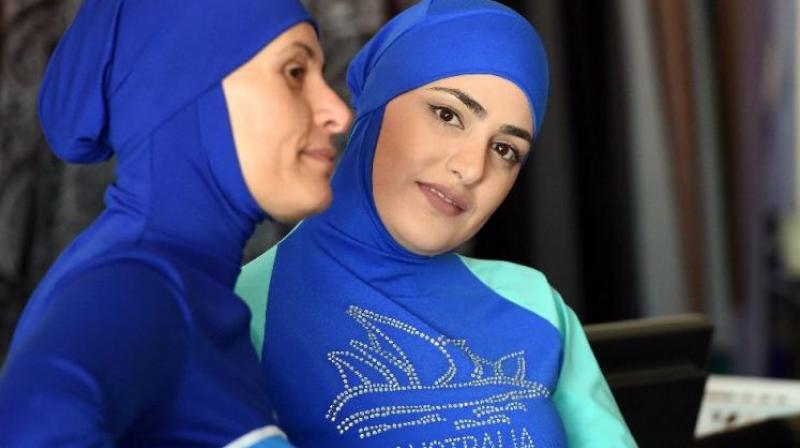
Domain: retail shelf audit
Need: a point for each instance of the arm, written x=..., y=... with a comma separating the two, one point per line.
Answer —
x=110, y=346
x=590, y=414
x=587, y=408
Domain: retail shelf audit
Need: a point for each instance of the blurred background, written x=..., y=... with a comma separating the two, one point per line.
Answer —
x=666, y=178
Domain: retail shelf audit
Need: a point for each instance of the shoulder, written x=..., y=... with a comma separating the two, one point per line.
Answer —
x=111, y=344
x=507, y=274
x=139, y=286
x=522, y=285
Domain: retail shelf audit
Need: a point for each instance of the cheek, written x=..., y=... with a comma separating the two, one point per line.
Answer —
x=284, y=127
x=382, y=180
x=279, y=112
x=387, y=164
x=293, y=110
x=405, y=157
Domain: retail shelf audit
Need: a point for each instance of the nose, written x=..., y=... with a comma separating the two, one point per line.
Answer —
x=468, y=164
x=330, y=112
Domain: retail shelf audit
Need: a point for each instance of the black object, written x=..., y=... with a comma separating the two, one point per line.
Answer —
x=656, y=371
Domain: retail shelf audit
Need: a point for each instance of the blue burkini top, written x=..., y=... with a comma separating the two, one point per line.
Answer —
x=366, y=344
x=135, y=336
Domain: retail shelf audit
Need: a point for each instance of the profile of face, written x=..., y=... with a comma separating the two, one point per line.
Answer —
x=447, y=156
x=283, y=116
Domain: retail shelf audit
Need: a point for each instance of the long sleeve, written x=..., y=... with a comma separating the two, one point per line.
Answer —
x=111, y=345
x=584, y=401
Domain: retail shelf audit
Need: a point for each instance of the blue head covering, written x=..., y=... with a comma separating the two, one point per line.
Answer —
x=142, y=80
x=124, y=67
x=440, y=39
x=398, y=344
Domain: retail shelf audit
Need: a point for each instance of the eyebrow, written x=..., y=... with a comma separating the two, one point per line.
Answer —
x=302, y=46
x=480, y=111
x=516, y=132
x=468, y=101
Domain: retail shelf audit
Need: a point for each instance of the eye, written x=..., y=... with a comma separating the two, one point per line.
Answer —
x=447, y=115
x=506, y=152
x=295, y=73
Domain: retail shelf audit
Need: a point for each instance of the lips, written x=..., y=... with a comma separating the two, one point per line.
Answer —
x=444, y=199
x=321, y=154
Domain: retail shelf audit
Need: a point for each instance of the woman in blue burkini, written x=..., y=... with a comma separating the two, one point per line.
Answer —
x=372, y=332
x=218, y=115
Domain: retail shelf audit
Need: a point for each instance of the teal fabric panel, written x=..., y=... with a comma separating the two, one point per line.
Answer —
x=519, y=284
x=253, y=287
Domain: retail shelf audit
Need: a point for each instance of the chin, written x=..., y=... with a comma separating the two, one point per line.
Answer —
x=321, y=205
x=425, y=245
x=306, y=205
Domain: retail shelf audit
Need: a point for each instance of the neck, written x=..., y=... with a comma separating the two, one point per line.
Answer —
x=186, y=186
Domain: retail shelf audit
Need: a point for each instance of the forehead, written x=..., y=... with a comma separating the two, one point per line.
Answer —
x=300, y=36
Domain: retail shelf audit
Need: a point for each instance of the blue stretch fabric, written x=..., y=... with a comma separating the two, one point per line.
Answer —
x=135, y=337
x=366, y=344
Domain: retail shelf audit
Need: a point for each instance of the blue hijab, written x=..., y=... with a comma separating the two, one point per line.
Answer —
x=150, y=282
x=366, y=344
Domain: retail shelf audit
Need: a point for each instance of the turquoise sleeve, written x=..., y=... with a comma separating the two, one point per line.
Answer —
x=253, y=287
x=587, y=407
x=582, y=396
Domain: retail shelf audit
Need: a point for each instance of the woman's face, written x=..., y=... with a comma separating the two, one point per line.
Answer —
x=283, y=115
x=447, y=156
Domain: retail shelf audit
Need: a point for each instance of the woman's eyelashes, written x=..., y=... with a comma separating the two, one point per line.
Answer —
x=507, y=152
x=295, y=73
x=446, y=115
x=449, y=117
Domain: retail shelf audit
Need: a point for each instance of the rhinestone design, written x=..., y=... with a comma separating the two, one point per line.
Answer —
x=381, y=370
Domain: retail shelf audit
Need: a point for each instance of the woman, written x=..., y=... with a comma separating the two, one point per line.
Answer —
x=218, y=115
x=371, y=331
